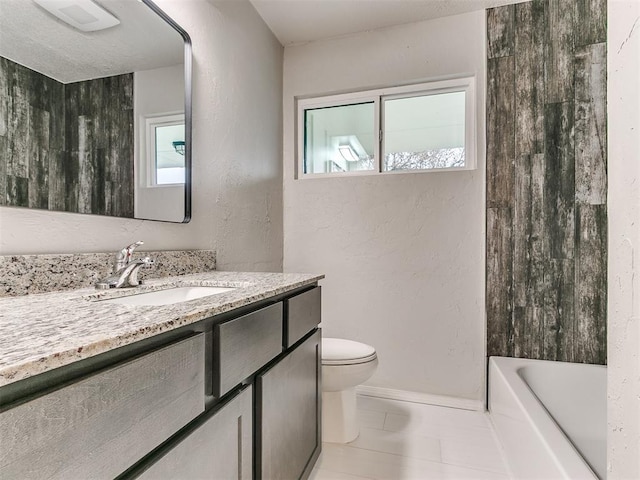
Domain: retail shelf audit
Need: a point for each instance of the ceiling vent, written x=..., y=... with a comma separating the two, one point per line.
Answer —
x=85, y=15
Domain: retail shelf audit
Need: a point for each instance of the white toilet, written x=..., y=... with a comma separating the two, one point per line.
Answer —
x=345, y=364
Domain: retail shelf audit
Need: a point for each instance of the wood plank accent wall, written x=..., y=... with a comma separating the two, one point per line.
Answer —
x=66, y=147
x=31, y=136
x=100, y=146
x=547, y=180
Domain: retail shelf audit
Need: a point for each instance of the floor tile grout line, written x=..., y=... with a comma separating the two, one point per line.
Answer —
x=412, y=402
x=475, y=467
x=504, y=471
x=465, y=466
x=373, y=450
x=405, y=434
x=332, y=470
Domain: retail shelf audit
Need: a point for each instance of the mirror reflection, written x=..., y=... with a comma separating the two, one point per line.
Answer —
x=94, y=108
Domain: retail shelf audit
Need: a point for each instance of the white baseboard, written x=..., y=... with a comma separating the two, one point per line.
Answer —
x=418, y=397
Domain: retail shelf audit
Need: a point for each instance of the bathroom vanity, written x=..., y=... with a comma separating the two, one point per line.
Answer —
x=222, y=386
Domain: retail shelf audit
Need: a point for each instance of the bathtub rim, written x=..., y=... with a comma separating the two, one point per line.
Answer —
x=560, y=450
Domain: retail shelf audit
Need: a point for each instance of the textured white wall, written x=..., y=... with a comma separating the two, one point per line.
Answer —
x=624, y=239
x=403, y=254
x=237, y=165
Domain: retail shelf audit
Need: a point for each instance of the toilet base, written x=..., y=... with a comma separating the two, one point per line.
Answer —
x=339, y=418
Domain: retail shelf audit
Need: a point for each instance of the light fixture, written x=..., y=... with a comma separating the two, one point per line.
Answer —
x=348, y=153
x=179, y=147
x=85, y=15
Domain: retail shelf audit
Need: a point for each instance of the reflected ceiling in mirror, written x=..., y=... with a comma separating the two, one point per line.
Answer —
x=91, y=116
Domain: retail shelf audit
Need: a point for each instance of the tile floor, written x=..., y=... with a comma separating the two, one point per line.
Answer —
x=404, y=440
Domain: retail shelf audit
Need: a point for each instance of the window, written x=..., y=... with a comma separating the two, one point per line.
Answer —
x=340, y=138
x=423, y=127
x=165, y=150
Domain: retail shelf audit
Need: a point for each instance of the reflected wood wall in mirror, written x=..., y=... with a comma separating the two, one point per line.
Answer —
x=95, y=122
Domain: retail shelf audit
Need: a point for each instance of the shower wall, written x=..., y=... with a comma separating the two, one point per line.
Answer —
x=547, y=180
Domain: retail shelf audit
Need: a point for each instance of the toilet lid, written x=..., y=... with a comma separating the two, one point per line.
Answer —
x=338, y=351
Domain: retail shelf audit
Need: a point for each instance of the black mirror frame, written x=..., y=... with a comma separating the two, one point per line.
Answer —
x=187, y=105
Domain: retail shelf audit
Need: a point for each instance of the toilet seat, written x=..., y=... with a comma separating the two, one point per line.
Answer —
x=338, y=351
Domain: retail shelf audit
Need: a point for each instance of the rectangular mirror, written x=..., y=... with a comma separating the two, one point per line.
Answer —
x=95, y=109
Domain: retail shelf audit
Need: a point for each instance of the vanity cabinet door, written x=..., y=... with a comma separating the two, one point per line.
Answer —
x=99, y=426
x=288, y=414
x=219, y=448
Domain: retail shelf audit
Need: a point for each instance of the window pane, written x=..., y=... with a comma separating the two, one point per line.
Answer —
x=339, y=139
x=169, y=152
x=424, y=132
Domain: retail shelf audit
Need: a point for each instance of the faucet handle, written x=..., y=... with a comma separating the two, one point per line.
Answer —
x=123, y=257
x=129, y=249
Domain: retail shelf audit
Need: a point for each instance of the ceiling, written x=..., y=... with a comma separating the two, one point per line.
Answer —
x=301, y=21
x=33, y=37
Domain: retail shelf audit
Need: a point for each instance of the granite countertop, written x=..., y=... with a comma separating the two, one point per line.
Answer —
x=45, y=331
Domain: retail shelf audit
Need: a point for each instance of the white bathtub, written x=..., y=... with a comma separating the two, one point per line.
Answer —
x=550, y=417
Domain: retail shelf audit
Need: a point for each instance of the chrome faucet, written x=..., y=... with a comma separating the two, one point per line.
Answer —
x=125, y=269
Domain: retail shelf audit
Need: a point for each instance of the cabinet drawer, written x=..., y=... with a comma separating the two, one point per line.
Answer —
x=244, y=345
x=101, y=425
x=303, y=314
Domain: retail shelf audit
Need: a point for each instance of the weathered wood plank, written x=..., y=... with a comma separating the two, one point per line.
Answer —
x=522, y=232
x=55, y=93
x=71, y=164
x=38, y=149
x=17, y=191
x=559, y=47
x=591, y=124
x=538, y=246
x=500, y=26
x=57, y=184
x=126, y=145
x=560, y=180
x=499, y=282
x=4, y=97
x=85, y=163
x=559, y=312
x=539, y=238
x=500, y=132
x=534, y=340
x=18, y=165
x=4, y=129
x=528, y=256
x=529, y=77
x=591, y=22
x=591, y=285
x=518, y=340
x=4, y=153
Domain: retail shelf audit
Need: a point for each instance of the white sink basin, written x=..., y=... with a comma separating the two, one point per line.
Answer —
x=169, y=296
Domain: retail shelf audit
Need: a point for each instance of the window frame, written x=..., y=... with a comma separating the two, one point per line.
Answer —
x=149, y=156
x=377, y=96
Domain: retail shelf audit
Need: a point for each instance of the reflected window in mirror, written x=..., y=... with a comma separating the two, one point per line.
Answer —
x=169, y=158
x=164, y=159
